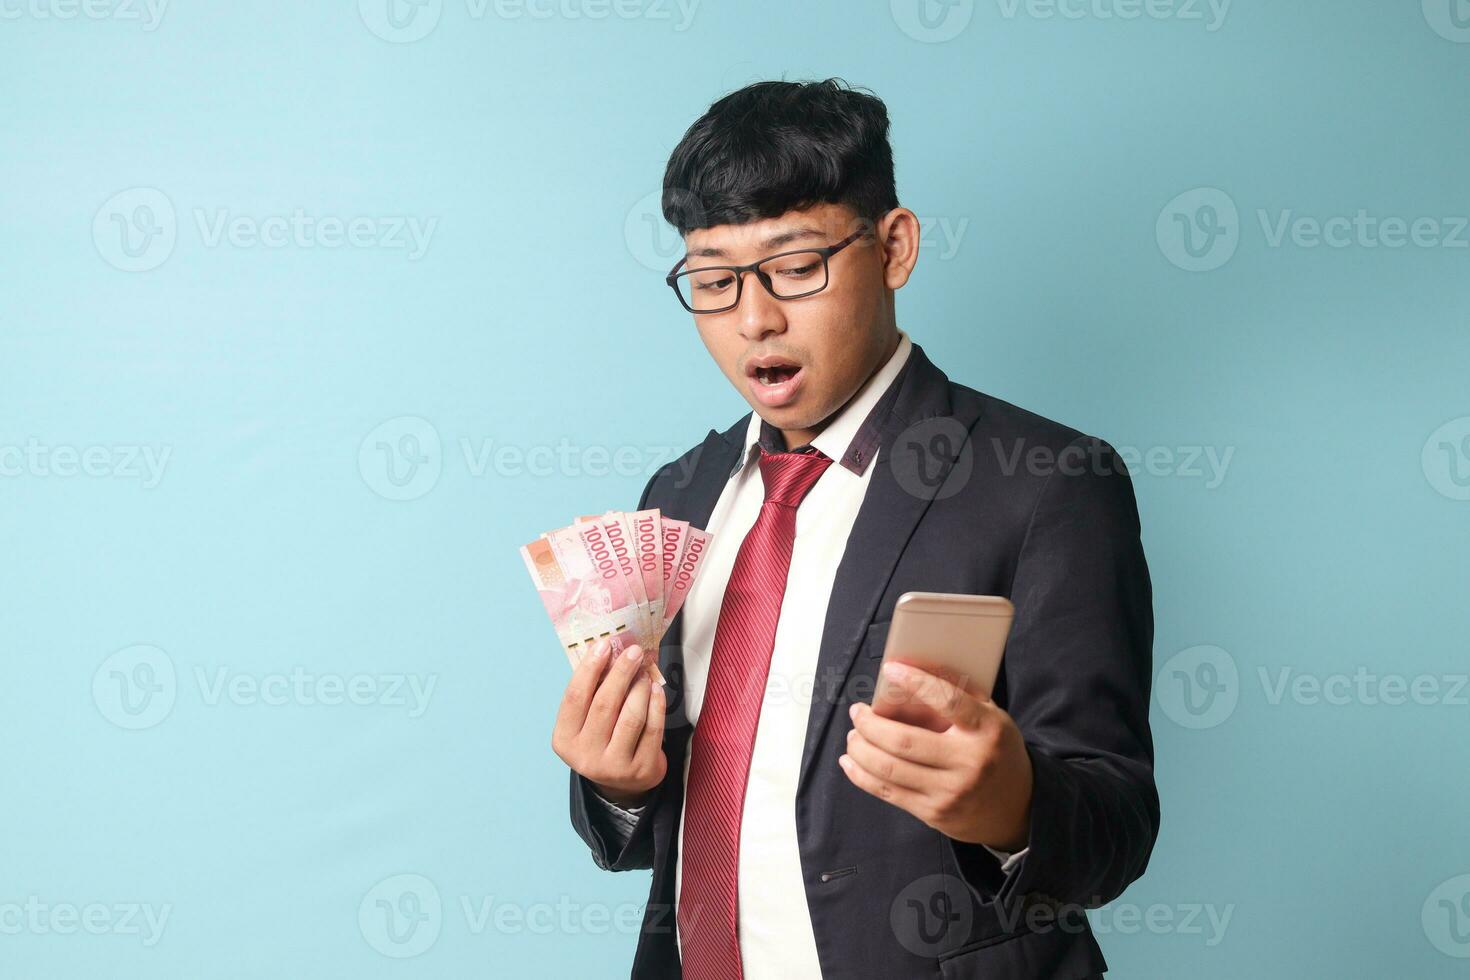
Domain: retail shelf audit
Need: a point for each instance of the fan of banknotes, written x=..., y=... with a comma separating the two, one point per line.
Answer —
x=621, y=575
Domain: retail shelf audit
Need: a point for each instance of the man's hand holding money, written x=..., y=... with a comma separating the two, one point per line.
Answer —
x=610, y=727
x=611, y=585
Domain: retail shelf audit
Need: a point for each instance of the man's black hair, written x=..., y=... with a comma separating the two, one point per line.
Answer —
x=774, y=147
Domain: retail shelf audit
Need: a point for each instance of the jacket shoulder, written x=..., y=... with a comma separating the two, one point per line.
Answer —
x=677, y=474
x=1004, y=420
x=1023, y=457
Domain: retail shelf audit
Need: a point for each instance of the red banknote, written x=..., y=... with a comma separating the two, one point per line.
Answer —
x=620, y=575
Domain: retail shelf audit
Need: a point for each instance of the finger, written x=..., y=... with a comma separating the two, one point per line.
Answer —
x=576, y=699
x=889, y=767
x=629, y=726
x=652, y=741
x=949, y=700
x=918, y=745
x=904, y=799
x=607, y=703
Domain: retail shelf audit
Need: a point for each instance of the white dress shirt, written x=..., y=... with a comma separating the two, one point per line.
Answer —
x=775, y=928
x=776, y=939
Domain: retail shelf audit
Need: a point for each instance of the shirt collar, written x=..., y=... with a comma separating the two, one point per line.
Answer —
x=853, y=435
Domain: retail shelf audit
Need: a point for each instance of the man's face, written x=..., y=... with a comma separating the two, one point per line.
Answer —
x=798, y=361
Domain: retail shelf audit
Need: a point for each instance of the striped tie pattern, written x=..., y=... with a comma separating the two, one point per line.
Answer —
x=724, y=736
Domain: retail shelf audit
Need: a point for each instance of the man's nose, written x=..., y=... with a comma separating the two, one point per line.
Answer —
x=760, y=313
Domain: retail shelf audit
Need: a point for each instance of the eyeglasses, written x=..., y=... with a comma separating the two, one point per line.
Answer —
x=786, y=275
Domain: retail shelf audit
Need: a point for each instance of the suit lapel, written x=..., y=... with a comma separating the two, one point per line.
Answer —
x=884, y=524
x=695, y=502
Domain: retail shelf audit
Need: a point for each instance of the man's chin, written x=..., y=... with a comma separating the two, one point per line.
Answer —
x=790, y=419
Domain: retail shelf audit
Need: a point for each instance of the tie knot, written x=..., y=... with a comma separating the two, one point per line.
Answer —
x=788, y=476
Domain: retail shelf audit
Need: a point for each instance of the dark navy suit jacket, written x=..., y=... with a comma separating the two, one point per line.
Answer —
x=970, y=495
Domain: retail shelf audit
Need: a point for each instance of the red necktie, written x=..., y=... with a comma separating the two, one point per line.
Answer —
x=724, y=735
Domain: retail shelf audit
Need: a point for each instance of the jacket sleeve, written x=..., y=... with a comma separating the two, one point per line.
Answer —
x=1078, y=671
x=620, y=839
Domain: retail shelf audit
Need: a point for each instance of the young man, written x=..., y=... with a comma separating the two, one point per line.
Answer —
x=791, y=831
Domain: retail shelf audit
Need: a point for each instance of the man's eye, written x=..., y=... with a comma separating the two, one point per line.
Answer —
x=714, y=285
x=800, y=271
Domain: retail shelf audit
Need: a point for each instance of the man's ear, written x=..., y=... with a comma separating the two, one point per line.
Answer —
x=898, y=234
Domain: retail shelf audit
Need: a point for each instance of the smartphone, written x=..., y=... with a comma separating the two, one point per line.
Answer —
x=958, y=637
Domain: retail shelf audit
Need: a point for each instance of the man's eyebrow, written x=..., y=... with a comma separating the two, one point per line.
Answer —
x=774, y=242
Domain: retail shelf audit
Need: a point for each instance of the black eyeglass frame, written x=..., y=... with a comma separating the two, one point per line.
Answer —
x=826, y=252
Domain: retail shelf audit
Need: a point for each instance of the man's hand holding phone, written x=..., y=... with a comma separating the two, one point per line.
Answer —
x=968, y=776
x=610, y=725
x=933, y=743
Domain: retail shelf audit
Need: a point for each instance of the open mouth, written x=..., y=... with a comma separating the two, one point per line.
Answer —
x=776, y=375
x=774, y=381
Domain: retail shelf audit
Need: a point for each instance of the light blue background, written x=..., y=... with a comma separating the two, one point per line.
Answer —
x=1050, y=146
